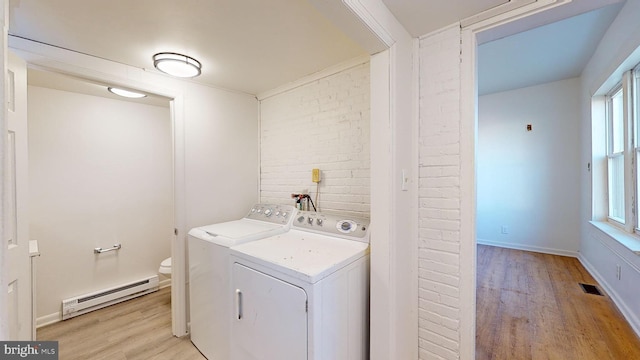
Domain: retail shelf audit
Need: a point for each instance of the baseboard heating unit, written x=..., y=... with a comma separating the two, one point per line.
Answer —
x=97, y=300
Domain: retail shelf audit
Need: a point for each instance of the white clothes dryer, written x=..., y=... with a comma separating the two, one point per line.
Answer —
x=208, y=248
x=303, y=294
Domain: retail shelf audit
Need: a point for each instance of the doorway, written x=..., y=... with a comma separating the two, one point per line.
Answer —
x=528, y=150
x=101, y=173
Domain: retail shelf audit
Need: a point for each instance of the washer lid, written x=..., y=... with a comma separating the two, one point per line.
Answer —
x=236, y=232
x=303, y=255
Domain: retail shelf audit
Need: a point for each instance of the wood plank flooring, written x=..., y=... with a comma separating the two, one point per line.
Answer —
x=530, y=306
x=135, y=329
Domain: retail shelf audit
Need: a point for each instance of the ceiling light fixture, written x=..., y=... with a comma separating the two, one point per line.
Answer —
x=126, y=93
x=177, y=64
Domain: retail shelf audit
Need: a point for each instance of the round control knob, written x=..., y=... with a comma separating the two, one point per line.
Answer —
x=310, y=220
x=268, y=212
x=300, y=218
x=319, y=221
x=253, y=210
x=284, y=214
x=346, y=226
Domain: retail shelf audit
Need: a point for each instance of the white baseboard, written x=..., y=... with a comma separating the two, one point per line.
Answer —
x=57, y=316
x=539, y=249
x=620, y=304
x=163, y=283
x=48, y=319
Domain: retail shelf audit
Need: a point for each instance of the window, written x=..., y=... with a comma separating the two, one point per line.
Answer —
x=615, y=155
x=623, y=150
x=635, y=99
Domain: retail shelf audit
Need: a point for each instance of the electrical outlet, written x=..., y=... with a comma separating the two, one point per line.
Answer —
x=315, y=175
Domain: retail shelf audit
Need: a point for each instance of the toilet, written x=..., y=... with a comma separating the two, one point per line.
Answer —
x=165, y=267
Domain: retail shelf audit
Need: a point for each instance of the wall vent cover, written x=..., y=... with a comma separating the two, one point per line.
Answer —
x=590, y=289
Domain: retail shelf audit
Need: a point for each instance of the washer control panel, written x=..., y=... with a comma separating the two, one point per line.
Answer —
x=341, y=225
x=278, y=214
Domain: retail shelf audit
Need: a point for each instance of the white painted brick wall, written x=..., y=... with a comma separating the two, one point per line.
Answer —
x=323, y=124
x=439, y=192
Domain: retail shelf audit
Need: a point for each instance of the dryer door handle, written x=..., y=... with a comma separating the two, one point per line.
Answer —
x=238, y=304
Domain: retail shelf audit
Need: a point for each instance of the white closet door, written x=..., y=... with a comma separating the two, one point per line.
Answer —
x=16, y=220
x=269, y=319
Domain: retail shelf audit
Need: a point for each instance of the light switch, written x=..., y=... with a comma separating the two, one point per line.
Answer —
x=405, y=180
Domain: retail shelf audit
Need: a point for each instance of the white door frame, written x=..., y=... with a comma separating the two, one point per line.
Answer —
x=394, y=173
x=53, y=59
x=4, y=311
x=471, y=28
x=394, y=331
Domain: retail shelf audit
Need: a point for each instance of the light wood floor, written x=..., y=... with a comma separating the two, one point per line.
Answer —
x=530, y=306
x=135, y=329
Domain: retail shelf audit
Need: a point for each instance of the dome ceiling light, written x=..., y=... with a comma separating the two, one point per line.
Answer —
x=126, y=93
x=177, y=64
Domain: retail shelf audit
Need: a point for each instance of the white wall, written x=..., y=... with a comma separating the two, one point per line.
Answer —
x=100, y=174
x=527, y=179
x=439, y=258
x=322, y=124
x=221, y=155
x=618, y=51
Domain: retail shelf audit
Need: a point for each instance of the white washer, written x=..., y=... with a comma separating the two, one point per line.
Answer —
x=303, y=294
x=209, y=305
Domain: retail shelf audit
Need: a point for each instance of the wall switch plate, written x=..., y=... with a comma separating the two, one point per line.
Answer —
x=405, y=181
x=315, y=175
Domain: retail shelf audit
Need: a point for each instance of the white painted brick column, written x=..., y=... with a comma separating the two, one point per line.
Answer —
x=440, y=197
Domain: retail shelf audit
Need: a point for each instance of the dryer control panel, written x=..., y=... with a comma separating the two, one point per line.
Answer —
x=277, y=214
x=332, y=224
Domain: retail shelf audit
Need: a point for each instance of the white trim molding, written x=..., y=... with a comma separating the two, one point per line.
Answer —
x=4, y=283
x=394, y=324
x=332, y=70
x=468, y=191
x=631, y=318
x=538, y=249
x=470, y=28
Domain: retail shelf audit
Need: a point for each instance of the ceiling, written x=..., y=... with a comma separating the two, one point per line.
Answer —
x=254, y=46
x=245, y=45
x=552, y=45
x=62, y=82
x=423, y=17
x=551, y=52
